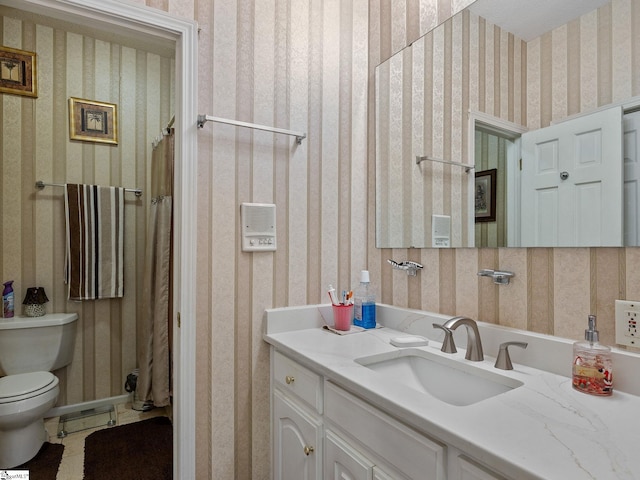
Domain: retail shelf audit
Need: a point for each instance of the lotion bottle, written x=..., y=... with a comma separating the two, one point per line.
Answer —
x=7, y=300
x=592, y=365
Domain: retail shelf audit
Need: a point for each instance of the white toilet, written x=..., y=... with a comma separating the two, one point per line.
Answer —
x=30, y=348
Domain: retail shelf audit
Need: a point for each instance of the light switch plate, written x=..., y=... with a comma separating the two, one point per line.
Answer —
x=627, y=318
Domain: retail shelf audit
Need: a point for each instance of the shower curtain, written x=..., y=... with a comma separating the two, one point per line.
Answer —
x=154, y=329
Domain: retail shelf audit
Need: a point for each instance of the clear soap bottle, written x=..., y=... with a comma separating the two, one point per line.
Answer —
x=364, y=303
x=592, y=365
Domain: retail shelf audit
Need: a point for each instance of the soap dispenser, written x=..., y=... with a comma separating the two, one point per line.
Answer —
x=592, y=365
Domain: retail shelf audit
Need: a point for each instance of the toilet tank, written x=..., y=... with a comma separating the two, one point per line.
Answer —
x=32, y=344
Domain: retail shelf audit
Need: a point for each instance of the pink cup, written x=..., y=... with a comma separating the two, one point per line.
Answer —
x=342, y=316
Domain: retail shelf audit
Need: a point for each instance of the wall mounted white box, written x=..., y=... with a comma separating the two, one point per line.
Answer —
x=440, y=231
x=627, y=318
x=258, y=227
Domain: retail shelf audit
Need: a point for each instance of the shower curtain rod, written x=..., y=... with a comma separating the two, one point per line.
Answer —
x=40, y=186
x=202, y=119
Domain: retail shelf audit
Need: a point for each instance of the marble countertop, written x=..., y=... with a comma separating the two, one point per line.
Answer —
x=541, y=430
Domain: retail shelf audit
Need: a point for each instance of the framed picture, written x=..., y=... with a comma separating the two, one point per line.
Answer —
x=18, y=72
x=91, y=121
x=485, y=196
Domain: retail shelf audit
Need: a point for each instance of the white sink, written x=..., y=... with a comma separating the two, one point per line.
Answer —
x=456, y=382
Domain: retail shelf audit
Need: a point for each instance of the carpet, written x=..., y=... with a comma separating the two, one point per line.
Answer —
x=44, y=466
x=136, y=451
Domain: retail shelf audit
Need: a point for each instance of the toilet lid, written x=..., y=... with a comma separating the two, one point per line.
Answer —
x=13, y=386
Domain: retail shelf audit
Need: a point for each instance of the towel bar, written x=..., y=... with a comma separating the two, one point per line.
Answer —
x=40, y=186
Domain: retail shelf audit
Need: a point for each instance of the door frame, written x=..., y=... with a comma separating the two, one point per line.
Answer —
x=512, y=131
x=152, y=23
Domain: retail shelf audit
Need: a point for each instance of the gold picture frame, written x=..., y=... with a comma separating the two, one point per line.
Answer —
x=18, y=72
x=91, y=121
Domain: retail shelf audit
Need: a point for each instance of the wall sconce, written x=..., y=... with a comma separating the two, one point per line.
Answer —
x=34, y=302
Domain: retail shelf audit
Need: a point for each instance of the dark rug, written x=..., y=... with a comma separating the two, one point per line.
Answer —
x=137, y=451
x=44, y=466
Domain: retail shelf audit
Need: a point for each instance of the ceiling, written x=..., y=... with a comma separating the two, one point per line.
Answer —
x=528, y=19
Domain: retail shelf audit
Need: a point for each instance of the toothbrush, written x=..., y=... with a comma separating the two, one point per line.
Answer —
x=332, y=295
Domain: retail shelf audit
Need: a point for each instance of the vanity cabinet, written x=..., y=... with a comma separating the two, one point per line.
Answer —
x=322, y=431
x=343, y=461
x=297, y=439
x=297, y=431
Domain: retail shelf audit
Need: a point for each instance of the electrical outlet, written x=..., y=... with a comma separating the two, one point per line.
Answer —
x=627, y=319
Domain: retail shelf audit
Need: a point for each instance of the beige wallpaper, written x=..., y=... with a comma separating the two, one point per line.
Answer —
x=35, y=145
x=291, y=64
x=308, y=66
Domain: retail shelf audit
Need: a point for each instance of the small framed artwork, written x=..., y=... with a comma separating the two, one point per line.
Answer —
x=91, y=121
x=18, y=72
x=485, y=196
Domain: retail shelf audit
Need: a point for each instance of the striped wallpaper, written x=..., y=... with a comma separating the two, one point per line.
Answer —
x=35, y=146
x=307, y=66
x=291, y=64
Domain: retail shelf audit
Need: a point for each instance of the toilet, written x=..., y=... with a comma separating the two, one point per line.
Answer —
x=30, y=349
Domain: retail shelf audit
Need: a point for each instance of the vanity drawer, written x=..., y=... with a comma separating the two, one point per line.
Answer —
x=292, y=377
x=413, y=454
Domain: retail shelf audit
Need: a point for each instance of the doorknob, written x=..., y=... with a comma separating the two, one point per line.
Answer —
x=564, y=175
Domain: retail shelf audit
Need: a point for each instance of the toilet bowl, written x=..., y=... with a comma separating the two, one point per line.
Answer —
x=30, y=348
x=24, y=400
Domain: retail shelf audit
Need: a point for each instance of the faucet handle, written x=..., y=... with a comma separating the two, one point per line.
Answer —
x=503, y=361
x=448, y=345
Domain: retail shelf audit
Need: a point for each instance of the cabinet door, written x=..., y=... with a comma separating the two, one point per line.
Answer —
x=342, y=462
x=297, y=451
x=467, y=469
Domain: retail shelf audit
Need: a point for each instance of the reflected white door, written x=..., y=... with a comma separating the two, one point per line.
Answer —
x=632, y=179
x=572, y=182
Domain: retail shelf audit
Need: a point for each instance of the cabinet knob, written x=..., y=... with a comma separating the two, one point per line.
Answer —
x=289, y=379
x=308, y=449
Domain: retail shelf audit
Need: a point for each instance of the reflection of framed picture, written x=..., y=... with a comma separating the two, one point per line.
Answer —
x=91, y=121
x=485, y=196
x=18, y=72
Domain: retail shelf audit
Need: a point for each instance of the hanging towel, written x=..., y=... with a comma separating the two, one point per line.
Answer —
x=94, y=264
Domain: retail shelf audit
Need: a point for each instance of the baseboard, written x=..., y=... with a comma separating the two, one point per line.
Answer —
x=65, y=409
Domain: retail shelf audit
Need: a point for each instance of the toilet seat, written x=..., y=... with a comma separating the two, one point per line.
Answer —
x=14, y=388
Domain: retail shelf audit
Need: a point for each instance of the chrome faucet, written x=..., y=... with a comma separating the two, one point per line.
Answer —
x=474, y=344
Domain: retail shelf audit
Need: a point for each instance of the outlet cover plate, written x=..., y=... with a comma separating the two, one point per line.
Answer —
x=627, y=319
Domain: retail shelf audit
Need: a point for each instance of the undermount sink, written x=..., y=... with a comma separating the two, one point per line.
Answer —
x=452, y=381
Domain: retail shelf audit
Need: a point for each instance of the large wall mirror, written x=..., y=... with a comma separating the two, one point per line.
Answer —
x=495, y=129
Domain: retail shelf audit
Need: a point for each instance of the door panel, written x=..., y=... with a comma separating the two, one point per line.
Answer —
x=572, y=182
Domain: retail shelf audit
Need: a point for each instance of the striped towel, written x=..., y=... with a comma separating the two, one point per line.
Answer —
x=94, y=263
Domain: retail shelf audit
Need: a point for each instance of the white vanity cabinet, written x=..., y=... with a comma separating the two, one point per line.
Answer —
x=297, y=432
x=343, y=462
x=396, y=450
x=322, y=431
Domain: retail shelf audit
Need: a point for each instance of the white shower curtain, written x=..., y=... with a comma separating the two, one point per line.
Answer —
x=154, y=329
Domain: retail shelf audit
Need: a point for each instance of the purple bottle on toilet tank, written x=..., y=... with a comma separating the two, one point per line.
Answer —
x=7, y=300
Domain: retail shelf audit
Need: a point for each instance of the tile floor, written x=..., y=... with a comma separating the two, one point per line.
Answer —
x=72, y=465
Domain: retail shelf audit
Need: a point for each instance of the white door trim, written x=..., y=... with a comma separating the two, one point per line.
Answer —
x=139, y=18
